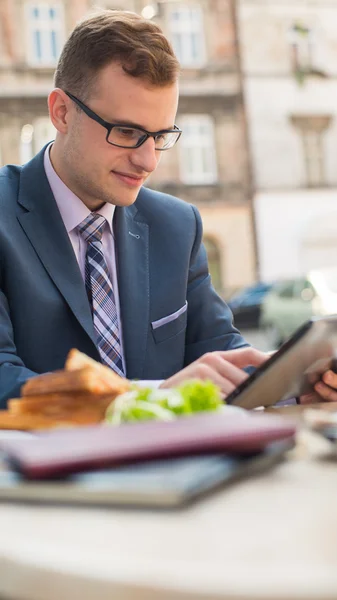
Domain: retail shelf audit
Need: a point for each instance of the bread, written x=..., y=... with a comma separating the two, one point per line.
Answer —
x=77, y=395
x=83, y=380
x=77, y=360
x=87, y=379
x=32, y=422
x=60, y=404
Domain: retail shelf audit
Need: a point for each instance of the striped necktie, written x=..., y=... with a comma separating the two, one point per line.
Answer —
x=100, y=292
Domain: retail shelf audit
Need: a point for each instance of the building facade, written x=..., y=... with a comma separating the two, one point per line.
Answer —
x=289, y=59
x=209, y=166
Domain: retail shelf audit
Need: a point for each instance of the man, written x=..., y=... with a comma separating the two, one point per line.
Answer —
x=91, y=259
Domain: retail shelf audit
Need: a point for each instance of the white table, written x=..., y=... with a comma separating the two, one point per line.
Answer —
x=270, y=537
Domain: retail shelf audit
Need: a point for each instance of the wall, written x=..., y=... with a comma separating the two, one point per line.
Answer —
x=296, y=231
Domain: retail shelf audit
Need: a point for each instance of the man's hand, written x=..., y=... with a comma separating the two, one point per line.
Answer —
x=223, y=368
x=325, y=390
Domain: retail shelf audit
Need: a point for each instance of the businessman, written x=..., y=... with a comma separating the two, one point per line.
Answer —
x=89, y=258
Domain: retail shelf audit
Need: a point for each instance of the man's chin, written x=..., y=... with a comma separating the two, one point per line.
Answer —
x=124, y=199
x=121, y=194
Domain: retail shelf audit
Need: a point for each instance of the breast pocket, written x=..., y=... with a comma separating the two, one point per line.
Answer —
x=170, y=326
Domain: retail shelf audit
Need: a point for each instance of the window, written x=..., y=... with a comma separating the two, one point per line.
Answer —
x=197, y=150
x=34, y=137
x=286, y=289
x=44, y=132
x=214, y=263
x=311, y=130
x=45, y=33
x=187, y=35
x=312, y=142
x=301, y=42
x=26, y=143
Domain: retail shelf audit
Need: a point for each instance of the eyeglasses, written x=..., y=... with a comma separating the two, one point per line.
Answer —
x=125, y=136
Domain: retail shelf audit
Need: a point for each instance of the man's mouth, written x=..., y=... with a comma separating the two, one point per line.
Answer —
x=129, y=179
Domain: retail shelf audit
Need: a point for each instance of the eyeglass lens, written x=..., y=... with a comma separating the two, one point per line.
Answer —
x=130, y=137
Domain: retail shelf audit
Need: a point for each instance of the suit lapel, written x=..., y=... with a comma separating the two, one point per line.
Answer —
x=132, y=253
x=44, y=227
x=39, y=217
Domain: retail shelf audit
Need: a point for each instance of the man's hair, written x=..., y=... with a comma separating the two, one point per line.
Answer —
x=123, y=37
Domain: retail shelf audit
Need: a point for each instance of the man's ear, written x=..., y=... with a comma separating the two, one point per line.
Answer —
x=59, y=106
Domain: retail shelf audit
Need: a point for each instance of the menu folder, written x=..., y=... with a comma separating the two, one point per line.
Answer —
x=62, y=452
x=166, y=483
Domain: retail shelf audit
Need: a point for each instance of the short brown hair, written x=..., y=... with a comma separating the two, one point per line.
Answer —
x=109, y=36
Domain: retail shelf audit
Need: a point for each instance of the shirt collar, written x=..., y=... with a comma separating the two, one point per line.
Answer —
x=73, y=210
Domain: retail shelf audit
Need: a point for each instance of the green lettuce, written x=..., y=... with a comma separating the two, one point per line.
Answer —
x=200, y=396
x=141, y=404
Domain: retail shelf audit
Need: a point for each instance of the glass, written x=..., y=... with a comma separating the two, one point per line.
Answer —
x=126, y=136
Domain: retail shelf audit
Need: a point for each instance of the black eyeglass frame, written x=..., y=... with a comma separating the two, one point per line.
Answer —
x=110, y=126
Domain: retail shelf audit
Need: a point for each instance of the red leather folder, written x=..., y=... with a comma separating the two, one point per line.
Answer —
x=60, y=452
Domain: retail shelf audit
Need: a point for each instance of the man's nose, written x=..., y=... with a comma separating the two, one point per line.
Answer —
x=145, y=157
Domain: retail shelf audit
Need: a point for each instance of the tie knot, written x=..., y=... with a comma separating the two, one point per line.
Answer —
x=91, y=228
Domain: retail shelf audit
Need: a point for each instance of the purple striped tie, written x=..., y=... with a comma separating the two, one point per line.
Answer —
x=100, y=292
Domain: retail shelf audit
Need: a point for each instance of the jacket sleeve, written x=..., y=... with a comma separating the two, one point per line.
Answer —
x=210, y=321
x=13, y=372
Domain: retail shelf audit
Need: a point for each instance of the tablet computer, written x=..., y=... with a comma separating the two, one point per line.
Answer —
x=294, y=368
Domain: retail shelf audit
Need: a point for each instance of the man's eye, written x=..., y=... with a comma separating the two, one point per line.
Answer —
x=127, y=133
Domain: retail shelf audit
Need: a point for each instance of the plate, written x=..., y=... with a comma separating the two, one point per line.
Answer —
x=12, y=434
x=235, y=410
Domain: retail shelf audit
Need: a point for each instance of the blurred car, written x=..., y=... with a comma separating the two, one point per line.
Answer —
x=245, y=305
x=290, y=303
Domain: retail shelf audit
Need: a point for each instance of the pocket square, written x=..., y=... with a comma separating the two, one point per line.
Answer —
x=169, y=318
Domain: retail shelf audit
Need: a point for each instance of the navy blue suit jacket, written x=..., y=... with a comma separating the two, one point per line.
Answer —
x=162, y=268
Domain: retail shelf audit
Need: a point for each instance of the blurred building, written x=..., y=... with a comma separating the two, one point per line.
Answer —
x=31, y=37
x=289, y=58
x=210, y=165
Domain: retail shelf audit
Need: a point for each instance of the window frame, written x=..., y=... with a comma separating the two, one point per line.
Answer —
x=39, y=139
x=46, y=27
x=311, y=129
x=185, y=31
x=191, y=144
x=214, y=260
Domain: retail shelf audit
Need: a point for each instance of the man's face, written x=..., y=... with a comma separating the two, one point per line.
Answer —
x=98, y=172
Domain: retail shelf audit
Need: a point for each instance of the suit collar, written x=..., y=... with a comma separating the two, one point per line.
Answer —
x=43, y=225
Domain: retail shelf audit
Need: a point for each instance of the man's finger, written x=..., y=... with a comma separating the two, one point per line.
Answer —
x=311, y=398
x=330, y=378
x=325, y=392
x=244, y=357
x=224, y=368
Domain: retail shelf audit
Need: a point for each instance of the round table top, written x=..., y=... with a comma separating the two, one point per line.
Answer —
x=270, y=536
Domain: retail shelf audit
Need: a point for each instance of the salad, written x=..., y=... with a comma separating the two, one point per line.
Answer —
x=142, y=404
